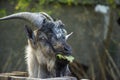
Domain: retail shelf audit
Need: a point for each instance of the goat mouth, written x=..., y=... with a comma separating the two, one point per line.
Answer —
x=65, y=53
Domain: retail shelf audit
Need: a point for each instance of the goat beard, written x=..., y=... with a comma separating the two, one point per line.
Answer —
x=61, y=66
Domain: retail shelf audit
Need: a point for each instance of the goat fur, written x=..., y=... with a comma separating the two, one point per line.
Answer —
x=39, y=65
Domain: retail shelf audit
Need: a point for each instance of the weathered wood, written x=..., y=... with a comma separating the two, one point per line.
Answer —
x=17, y=75
x=26, y=78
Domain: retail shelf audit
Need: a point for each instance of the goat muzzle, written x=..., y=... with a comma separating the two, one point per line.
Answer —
x=64, y=49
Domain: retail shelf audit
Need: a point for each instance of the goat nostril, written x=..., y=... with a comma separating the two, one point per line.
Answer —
x=66, y=49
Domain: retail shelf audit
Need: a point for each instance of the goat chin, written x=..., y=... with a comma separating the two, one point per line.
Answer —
x=38, y=65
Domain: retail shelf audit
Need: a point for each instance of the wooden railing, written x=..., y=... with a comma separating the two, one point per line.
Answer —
x=18, y=75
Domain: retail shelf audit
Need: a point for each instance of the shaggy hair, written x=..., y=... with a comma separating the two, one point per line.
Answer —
x=43, y=46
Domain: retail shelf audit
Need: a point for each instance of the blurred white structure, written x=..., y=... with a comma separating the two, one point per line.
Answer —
x=102, y=9
x=105, y=10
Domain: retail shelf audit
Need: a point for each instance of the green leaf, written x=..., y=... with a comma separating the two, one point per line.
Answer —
x=69, y=58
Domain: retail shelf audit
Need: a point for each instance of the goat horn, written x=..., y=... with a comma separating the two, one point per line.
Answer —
x=35, y=19
x=47, y=16
x=67, y=36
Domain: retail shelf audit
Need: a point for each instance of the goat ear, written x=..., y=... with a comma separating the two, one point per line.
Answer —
x=30, y=34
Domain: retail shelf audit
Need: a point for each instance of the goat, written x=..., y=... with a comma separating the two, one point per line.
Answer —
x=44, y=44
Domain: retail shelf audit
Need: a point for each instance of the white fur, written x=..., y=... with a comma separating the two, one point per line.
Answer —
x=38, y=65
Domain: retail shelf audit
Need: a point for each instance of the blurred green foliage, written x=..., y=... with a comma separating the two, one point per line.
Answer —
x=2, y=12
x=35, y=5
x=22, y=4
x=112, y=3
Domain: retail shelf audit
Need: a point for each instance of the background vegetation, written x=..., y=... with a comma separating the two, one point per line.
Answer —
x=89, y=47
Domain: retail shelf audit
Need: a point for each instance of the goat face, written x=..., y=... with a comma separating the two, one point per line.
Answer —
x=52, y=36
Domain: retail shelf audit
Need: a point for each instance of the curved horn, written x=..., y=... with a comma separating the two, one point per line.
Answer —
x=47, y=16
x=35, y=18
x=67, y=36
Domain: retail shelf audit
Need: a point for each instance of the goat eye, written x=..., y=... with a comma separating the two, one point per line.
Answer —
x=42, y=38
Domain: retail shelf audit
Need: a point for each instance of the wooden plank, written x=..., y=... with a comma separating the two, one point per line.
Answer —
x=15, y=73
x=18, y=75
x=26, y=78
